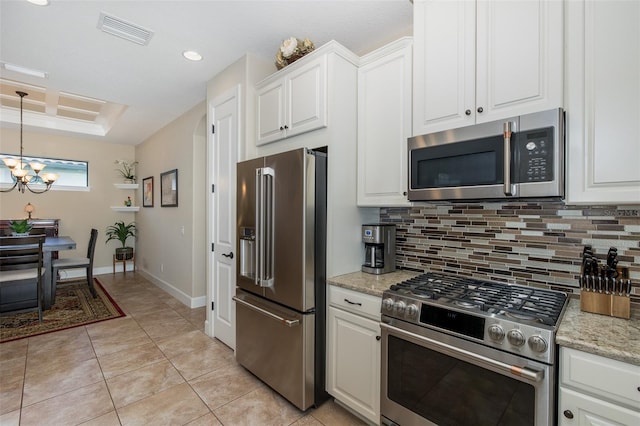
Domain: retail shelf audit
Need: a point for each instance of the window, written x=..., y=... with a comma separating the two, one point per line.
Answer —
x=72, y=175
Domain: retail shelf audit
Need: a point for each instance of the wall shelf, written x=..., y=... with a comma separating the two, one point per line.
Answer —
x=125, y=209
x=126, y=185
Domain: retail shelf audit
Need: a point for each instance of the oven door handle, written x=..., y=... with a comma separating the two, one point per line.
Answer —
x=524, y=372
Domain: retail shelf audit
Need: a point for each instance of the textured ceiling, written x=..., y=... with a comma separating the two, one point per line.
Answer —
x=146, y=87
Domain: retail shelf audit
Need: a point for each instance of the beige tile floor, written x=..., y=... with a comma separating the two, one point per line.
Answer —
x=153, y=367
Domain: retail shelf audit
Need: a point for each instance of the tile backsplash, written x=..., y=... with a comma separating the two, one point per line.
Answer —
x=530, y=243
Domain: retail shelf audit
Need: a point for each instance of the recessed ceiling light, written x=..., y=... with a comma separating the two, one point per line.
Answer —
x=39, y=2
x=24, y=70
x=192, y=55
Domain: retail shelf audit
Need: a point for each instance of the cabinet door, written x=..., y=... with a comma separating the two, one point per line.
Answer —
x=270, y=112
x=444, y=65
x=577, y=409
x=307, y=97
x=603, y=102
x=384, y=124
x=353, y=362
x=519, y=57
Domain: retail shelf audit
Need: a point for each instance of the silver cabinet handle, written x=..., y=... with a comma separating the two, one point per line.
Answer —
x=287, y=322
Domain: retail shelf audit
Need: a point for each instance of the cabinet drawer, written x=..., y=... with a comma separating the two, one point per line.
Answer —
x=356, y=302
x=609, y=379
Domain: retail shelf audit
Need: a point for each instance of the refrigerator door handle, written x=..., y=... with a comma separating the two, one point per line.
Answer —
x=287, y=322
x=265, y=209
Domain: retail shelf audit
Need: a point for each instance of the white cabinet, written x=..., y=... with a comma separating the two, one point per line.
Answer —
x=353, y=351
x=485, y=60
x=293, y=100
x=603, y=102
x=384, y=124
x=597, y=391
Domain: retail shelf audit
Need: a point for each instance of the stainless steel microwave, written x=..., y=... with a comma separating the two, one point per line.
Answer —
x=517, y=157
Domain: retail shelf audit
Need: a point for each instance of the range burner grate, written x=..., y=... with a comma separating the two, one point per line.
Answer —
x=514, y=301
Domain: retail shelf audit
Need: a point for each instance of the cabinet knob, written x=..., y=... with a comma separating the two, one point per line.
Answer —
x=480, y=109
x=286, y=127
x=568, y=414
x=467, y=112
x=281, y=128
x=378, y=337
x=404, y=193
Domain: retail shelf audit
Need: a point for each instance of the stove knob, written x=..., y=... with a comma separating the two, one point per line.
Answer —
x=412, y=311
x=387, y=304
x=496, y=332
x=515, y=337
x=537, y=344
x=398, y=307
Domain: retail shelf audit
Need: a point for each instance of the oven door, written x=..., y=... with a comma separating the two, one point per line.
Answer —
x=433, y=378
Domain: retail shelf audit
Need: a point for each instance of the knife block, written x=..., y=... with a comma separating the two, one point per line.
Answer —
x=620, y=306
x=594, y=302
x=605, y=304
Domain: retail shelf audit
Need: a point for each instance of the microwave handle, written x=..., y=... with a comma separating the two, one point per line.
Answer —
x=508, y=189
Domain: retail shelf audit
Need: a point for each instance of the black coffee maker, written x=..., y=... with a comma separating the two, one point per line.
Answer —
x=380, y=248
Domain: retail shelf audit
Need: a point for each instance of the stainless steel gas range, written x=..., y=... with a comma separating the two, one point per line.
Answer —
x=461, y=351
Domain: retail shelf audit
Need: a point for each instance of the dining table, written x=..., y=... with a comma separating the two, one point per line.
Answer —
x=50, y=245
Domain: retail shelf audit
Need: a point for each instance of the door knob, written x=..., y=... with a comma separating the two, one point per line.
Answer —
x=229, y=255
x=568, y=414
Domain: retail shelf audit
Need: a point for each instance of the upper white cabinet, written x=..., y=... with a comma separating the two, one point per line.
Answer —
x=485, y=60
x=384, y=124
x=603, y=102
x=293, y=100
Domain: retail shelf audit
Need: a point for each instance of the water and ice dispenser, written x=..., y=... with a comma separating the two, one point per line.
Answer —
x=380, y=248
x=248, y=253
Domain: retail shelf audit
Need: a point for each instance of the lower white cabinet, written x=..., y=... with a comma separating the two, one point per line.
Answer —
x=597, y=391
x=353, y=351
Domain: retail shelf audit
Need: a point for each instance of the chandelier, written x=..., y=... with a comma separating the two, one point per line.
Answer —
x=21, y=175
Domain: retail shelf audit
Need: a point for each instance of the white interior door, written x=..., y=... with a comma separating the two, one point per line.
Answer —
x=225, y=113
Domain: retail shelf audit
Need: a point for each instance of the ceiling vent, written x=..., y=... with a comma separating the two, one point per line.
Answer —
x=123, y=29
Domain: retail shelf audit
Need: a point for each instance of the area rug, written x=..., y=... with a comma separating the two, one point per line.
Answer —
x=75, y=306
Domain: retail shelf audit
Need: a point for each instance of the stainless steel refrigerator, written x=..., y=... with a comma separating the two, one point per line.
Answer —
x=281, y=273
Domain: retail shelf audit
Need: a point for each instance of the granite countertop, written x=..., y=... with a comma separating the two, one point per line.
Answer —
x=370, y=283
x=610, y=337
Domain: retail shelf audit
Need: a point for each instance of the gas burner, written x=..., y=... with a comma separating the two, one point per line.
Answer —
x=521, y=316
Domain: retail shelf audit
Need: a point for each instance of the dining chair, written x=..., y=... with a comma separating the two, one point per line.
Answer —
x=76, y=263
x=22, y=274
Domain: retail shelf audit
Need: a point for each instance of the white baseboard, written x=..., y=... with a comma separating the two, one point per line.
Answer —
x=192, y=302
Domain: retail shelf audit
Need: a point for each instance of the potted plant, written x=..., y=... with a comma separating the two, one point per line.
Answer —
x=127, y=170
x=119, y=231
x=20, y=227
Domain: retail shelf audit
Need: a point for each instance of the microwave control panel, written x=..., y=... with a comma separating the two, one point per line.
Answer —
x=534, y=155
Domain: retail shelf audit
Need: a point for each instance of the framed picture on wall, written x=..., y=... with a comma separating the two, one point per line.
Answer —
x=147, y=192
x=169, y=188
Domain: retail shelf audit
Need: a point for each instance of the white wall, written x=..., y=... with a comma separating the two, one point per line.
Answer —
x=78, y=211
x=171, y=243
